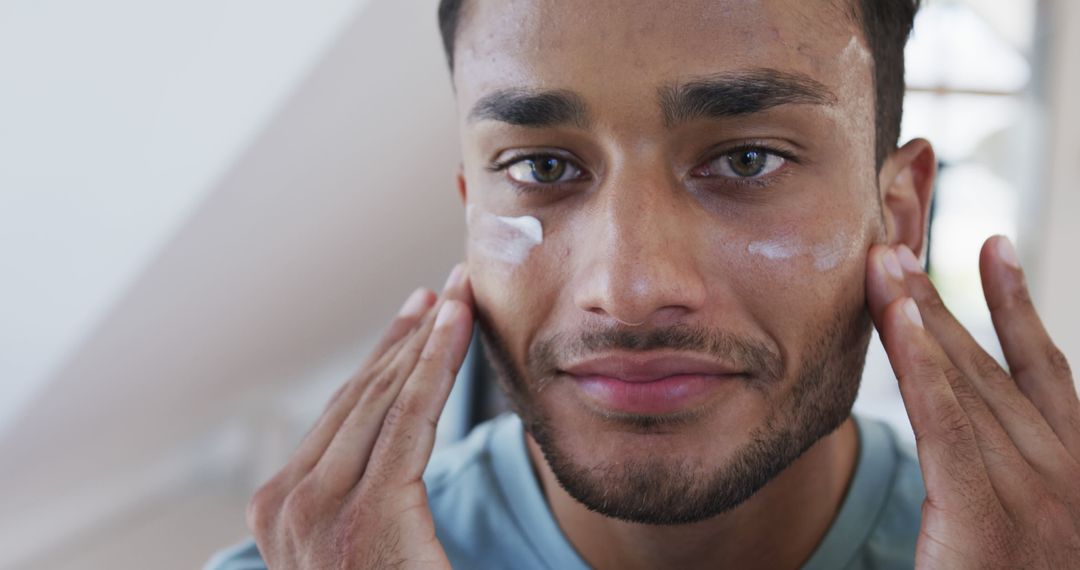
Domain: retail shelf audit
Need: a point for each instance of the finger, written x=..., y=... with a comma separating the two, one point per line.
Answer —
x=347, y=455
x=314, y=444
x=994, y=388
x=1040, y=369
x=409, y=316
x=411, y=323
x=404, y=447
x=414, y=309
x=955, y=474
x=1010, y=475
x=457, y=287
x=884, y=279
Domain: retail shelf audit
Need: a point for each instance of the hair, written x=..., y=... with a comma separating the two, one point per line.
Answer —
x=886, y=25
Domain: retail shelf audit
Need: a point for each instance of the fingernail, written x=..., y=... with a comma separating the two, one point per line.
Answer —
x=1007, y=252
x=414, y=306
x=892, y=265
x=455, y=277
x=911, y=311
x=908, y=261
x=447, y=313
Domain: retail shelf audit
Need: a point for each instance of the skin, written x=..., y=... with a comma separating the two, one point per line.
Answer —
x=667, y=247
x=998, y=449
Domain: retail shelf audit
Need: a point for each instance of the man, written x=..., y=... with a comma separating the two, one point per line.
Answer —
x=683, y=218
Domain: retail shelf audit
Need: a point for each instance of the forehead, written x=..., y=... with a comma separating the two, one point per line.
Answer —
x=625, y=46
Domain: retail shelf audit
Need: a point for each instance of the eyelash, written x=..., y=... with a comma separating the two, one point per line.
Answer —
x=762, y=182
x=755, y=182
x=502, y=165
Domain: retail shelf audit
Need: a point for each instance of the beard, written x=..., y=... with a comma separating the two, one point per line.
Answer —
x=668, y=491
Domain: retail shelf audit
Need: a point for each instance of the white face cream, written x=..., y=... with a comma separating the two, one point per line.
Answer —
x=826, y=255
x=503, y=238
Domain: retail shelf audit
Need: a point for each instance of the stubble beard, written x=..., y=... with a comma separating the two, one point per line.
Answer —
x=680, y=491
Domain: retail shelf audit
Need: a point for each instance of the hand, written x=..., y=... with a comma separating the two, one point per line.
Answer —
x=999, y=450
x=352, y=495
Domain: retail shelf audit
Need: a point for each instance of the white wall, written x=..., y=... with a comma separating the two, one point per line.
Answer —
x=263, y=263
x=1057, y=278
x=117, y=117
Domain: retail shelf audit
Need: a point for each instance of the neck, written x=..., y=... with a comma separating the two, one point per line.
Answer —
x=778, y=527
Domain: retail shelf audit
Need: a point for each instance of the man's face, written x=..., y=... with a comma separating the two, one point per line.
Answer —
x=669, y=208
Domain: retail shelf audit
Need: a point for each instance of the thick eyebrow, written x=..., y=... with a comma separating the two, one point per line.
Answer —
x=731, y=94
x=532, y=108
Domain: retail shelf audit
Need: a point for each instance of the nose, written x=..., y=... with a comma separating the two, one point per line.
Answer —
x=641, y=255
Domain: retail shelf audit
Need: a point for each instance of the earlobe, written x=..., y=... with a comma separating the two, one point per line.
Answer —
x=463, y=191
x=907, y=187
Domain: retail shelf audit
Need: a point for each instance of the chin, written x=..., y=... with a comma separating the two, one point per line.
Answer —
x=617, y=456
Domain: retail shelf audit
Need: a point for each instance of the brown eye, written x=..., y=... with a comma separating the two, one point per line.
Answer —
x=747, y=163
x=548, y=169
x=543, y=170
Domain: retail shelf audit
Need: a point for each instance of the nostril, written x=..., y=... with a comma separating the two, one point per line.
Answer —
x=627, y=323
x=601, y=312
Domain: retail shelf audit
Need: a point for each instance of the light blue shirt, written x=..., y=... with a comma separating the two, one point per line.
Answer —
x=490, y=510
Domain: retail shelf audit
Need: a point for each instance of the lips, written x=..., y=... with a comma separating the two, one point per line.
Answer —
x=652, y=384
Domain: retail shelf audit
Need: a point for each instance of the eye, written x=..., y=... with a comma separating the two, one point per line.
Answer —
x=743, y=163
x=543, y=170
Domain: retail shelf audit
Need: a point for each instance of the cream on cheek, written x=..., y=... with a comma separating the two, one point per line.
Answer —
x=823, y=255
x=505, y=239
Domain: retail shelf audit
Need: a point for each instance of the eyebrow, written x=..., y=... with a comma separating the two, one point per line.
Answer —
x=532, y=108
x=733, y=94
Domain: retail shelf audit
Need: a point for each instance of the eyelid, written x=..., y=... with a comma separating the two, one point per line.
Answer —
x=503, y=165
x=720, y=151
x=731, y=148
x=512, y=157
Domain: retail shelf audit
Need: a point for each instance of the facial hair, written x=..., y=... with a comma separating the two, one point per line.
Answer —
x=666, y=491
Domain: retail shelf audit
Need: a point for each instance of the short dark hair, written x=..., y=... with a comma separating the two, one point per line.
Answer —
x=886, y=26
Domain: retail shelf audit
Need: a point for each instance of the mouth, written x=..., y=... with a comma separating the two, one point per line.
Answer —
x=651, y=384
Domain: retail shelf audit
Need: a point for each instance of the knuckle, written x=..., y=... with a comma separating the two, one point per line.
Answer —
x=399, y=368
x=429, y=357
x=965, y=393
x=300, y=503
x=955, y=429
x=1020, y=297
x=261, y=509
x=957, y=379
x=380, y=384
x=399, y=415
x=997, y=453
x=1059, y=365
x=931, y=302
x=984, y=365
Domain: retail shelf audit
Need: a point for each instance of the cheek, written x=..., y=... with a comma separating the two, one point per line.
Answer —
x=506, y=241
x=816, y=242
x=511, y=262
x=791, y=252
x=791, y=282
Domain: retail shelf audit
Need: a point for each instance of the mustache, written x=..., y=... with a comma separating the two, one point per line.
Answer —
x=760, y=360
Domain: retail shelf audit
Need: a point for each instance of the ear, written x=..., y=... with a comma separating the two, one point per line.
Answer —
x=906, y=181
x=463, y=191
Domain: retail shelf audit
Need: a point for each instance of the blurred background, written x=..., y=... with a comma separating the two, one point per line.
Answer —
x=210, y=209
